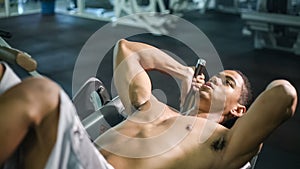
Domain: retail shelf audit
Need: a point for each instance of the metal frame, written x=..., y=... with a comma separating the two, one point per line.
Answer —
x=262, y=24
x=142, y=16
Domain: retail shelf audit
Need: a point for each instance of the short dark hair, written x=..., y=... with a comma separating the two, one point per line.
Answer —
x=246, y=93
x=245, y=98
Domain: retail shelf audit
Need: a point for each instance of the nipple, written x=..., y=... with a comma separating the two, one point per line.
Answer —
x=189, y=127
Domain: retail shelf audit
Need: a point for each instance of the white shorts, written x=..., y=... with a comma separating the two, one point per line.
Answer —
x=73, y=148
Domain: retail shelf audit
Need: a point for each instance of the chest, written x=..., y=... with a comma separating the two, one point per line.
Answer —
x=175, y=143
x=177, y=157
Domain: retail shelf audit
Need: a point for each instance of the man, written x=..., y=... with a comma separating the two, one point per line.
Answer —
x=41, y=104
x=9, y=80
x=156, y=136
x=152, y=58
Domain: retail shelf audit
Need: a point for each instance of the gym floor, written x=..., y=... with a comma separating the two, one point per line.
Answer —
x=56, y=41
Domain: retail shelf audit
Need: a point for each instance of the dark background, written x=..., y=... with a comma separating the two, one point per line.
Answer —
x=56, y=41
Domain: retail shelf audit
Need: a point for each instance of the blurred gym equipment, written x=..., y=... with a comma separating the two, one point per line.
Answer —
x=275, y=24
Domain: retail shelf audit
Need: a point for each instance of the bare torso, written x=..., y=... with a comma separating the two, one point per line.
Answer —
x=168, y=141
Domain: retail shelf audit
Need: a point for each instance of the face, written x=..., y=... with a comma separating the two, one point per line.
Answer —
x=221, y=92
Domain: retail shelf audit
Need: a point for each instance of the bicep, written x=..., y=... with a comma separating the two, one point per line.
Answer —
x=268, y=112
x=131, y=80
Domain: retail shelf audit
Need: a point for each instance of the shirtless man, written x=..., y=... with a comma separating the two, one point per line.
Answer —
x=156, y=136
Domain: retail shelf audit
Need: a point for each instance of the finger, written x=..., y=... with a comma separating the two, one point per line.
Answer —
x=197, y=85
x=194, y=80
x=195, y=88
x=200, y=77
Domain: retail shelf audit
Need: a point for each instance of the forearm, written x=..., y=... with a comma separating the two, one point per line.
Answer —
x=158, y=60
x=150, y=57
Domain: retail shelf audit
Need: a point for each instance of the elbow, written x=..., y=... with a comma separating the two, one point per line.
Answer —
x=287, y=93
x=119, y=52
x=121, y=44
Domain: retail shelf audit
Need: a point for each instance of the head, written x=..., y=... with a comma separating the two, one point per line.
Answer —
x=226, y=94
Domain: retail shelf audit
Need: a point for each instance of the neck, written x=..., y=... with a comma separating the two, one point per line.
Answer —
x=212, y=116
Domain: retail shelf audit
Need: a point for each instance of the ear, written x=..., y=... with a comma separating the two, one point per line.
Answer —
x=238, y=111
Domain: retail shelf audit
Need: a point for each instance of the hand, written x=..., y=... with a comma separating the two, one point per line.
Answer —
x=198, y=82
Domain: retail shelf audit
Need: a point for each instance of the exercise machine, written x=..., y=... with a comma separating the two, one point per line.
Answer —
x=235, y=6
x=93, y=103
x=275, y=24
x=15, y=56
x=151, y=16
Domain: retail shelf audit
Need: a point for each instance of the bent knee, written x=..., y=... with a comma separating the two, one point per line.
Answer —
x=41, y=97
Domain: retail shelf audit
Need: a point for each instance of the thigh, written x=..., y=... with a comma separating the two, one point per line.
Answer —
x=39, y=142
